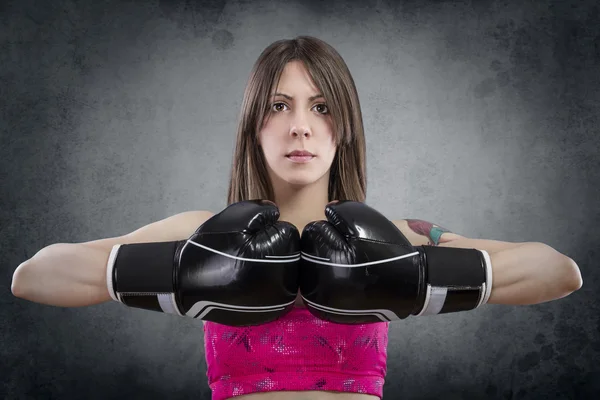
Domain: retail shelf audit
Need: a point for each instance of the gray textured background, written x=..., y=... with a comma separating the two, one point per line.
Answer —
x=481, y=118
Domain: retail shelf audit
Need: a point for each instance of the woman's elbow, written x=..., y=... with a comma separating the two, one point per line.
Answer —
x=17, y=284
x=574, y=281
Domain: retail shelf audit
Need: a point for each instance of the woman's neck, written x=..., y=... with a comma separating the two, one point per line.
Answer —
x=302, y=206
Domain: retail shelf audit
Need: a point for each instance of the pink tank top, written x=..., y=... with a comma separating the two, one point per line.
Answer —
x=297, y=352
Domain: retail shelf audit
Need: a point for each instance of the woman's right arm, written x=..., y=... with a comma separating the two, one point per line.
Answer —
x=74, y=274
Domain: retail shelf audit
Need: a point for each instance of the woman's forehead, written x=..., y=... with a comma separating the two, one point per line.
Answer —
x=295, y=81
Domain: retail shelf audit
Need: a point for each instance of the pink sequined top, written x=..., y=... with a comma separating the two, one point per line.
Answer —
x=297, y=352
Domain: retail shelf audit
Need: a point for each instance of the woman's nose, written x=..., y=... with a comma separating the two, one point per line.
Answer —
x=300, y=132
x=300, y=125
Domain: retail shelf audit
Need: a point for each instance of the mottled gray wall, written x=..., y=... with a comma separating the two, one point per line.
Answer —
x=482, y=118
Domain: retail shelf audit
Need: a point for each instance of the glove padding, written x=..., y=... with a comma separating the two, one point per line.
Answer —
x=357, y=267
x=239, y=268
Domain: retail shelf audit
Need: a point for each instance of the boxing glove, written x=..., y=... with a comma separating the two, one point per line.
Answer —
x=239, y=268
x=357, y=267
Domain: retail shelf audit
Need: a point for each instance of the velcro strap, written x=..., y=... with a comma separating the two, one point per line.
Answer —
x=141, y=275
x=456, y=279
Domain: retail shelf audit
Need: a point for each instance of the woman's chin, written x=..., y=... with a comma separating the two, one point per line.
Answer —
x=298, y=180
x=300, y=183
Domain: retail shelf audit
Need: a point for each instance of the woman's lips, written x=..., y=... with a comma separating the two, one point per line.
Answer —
x=300, y=159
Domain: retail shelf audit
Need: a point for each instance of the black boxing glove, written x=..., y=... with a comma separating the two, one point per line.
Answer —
x=357, y=267
x=239, y=268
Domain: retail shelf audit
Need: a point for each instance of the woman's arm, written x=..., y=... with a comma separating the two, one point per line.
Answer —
x=525, y=273
x=74, y=274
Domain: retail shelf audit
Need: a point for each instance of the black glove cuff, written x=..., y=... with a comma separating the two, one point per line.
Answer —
x=456, y=279
x=141, y=275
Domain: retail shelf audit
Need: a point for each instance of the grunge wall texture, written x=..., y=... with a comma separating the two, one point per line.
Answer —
x=481, y=117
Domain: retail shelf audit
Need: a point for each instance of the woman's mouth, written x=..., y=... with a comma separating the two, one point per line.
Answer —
x=300, y=159
x=300, y=156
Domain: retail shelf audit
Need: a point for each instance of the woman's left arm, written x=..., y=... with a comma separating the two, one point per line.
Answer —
x=524, y=273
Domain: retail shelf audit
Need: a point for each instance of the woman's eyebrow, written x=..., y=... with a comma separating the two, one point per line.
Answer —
x=311, y=98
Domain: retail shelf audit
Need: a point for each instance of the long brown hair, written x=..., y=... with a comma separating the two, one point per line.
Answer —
x=347, y=178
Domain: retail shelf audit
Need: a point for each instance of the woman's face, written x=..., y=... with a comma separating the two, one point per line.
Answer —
x=298, y=120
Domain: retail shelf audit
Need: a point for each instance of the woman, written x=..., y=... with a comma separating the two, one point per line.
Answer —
x=300, y=144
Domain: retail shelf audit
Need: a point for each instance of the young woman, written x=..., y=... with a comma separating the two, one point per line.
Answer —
x=300, y=144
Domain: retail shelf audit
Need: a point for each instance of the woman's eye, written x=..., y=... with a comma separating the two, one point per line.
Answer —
x=322, y=108
x=277, y=107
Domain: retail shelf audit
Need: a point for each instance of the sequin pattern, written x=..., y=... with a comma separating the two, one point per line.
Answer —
x=296, y=352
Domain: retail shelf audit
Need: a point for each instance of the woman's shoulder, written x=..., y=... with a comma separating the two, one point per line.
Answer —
x=193, y=219
x=195, y=215
x=177, y=226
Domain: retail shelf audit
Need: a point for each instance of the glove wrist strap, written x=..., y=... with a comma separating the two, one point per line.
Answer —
x=456, y=279
x=141, y=275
